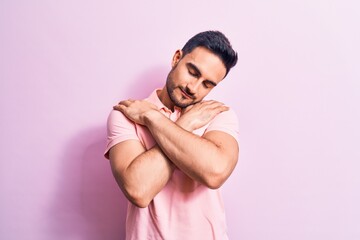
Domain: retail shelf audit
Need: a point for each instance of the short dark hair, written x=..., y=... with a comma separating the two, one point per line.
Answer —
x=217, y=43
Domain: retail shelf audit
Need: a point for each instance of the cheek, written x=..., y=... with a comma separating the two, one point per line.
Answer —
x=181, y=75
x=173, y=78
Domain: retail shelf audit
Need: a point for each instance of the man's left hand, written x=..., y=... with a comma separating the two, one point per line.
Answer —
x=135, y=110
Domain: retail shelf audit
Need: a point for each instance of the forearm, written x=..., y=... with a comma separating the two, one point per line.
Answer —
x=199, y=158
x=208, y=159
x=145, y=176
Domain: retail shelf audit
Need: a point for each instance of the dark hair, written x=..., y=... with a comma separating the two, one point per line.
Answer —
x=217, y=43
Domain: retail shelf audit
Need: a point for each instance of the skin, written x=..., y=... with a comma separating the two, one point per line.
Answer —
x=207, y=160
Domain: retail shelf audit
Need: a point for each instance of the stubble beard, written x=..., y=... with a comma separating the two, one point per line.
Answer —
x=170, y=88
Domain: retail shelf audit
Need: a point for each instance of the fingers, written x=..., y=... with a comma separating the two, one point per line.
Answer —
x=126, y=102
x=208, y=106
x=119, y=107
x=123, y=104
x=214, y=105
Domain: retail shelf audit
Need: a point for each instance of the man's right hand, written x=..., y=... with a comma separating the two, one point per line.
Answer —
x=198, y=115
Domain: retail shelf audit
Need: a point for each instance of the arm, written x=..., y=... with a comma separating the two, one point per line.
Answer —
x=140, y=174
x=209, y=159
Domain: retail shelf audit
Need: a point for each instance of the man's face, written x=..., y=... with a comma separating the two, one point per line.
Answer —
x=193, y=76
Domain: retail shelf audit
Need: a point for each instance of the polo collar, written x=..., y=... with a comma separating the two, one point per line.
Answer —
x=154, y=98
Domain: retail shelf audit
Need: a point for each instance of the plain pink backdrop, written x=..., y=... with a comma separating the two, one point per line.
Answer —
x=296, y=90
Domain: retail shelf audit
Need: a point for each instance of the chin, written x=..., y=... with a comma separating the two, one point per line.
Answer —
x=181, y=104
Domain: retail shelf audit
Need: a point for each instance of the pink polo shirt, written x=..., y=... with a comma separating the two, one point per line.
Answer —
x=184, y=209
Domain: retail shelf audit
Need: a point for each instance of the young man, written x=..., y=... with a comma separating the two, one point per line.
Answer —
x=171, y=152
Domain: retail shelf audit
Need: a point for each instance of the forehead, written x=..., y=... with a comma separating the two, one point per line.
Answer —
x=209, y=64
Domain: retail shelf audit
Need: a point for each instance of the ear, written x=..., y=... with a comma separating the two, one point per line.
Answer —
x=176, y=58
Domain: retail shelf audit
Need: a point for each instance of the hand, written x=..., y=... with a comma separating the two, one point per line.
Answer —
x=198, y=115
x=135, y=110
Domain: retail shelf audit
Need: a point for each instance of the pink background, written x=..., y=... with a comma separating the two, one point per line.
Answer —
x=296, y=90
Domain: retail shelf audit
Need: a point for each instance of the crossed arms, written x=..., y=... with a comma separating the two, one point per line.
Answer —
x=142, y=173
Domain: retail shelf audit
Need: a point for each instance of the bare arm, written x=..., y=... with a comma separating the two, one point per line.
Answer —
x=209, y=159
x=139, y=173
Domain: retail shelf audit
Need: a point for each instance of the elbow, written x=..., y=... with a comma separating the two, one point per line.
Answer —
x=215, y=181
x=139, y=202
x=136, y=197
x=218, y=176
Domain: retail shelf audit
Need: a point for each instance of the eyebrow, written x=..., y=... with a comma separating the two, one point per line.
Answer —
x=198, y=72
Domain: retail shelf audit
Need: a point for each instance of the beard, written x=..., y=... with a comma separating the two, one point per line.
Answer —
x=170, y=88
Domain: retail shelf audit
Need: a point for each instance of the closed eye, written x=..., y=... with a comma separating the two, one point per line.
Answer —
x=194, y=74
x=208, y=84
x=193, y=70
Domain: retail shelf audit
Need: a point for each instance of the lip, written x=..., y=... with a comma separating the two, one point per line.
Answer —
x=185, y=94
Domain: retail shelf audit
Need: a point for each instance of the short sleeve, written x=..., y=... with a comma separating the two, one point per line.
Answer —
x=119, y=129
x=227, y=122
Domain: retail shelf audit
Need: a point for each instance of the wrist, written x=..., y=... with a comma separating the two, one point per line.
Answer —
x=184, y=125
x=152, y=116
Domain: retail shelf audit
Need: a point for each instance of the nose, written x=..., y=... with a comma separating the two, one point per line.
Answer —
x=193, y=86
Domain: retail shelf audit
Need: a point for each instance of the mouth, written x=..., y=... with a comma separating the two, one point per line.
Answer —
x=184, y=93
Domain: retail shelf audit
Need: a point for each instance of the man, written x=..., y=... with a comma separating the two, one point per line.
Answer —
x=171, y=152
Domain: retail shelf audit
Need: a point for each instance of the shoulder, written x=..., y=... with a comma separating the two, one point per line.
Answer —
x=117, y=118
x=229, y=114
x=119, y=129
x=226, y=117
x=227, y=122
